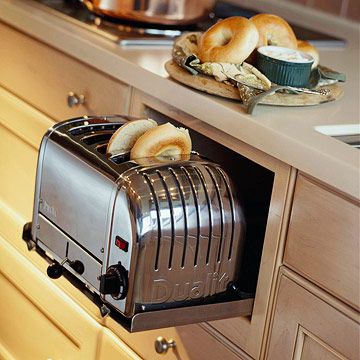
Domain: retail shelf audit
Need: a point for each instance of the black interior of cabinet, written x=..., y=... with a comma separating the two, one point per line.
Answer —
x=254, y=183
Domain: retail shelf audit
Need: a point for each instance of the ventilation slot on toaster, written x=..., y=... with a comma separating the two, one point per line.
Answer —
x=172, y=220
x=203, y=183
x=216, y=185
x=181, y=192
x=232, y=206
x=193, y=191
x=148, y=181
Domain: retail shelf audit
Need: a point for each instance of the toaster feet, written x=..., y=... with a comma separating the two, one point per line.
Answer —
x=104, y=310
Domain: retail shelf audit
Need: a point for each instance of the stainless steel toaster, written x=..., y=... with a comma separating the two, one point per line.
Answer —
x=157, y=241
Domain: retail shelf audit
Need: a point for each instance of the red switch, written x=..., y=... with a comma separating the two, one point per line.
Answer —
x=122, y=244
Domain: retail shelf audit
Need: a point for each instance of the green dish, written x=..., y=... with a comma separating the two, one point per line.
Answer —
x=284, y=66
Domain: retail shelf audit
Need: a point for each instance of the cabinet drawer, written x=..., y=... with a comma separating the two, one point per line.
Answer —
x=44, y=76
x=192, y=342
x=306, y=327
x=323, y=240
x=37, y=320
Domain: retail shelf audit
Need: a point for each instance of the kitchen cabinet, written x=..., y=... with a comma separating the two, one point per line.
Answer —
x=55, y=83
x=316, y=314
x=246, y=332
x=112, y=348
x=323, y=239
x=311, y=326
x=37, y=320
x=21, y=130
x=191, y=342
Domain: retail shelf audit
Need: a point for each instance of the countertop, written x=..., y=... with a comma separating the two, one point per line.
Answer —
x=283, y=132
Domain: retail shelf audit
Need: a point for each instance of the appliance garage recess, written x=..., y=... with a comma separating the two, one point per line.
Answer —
x=153, y=242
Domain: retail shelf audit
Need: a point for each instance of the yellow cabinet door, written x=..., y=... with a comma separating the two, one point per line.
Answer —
x=37, y=319
x=21, y=130
x=111, y=347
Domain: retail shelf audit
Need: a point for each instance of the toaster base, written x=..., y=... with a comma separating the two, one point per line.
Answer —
x=156, y=319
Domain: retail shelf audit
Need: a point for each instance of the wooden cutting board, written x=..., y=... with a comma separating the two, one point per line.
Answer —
x=211, y=86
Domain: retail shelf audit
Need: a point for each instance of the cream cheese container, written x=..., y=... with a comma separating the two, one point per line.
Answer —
x=285, y=66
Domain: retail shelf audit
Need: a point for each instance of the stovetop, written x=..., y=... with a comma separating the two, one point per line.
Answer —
x=127, y=33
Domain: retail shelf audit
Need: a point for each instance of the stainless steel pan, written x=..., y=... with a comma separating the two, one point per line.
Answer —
x=167, y=12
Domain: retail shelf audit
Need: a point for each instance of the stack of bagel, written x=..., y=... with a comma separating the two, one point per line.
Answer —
x=235, y=39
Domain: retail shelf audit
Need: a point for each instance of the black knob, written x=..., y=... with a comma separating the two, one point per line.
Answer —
x=114, y=282
x=54, y=271
x=78, y=266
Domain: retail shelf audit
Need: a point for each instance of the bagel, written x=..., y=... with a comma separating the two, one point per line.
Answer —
x=273, y=30
x=231, y=41
x=125, y=137
x=306, y=47
x=163, y=140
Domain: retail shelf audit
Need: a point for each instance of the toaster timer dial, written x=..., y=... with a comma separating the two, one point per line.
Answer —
x=114, y=282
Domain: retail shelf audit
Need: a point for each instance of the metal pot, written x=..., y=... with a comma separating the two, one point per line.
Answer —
x=167, y=12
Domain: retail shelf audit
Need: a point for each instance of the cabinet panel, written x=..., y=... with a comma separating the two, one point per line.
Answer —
x=18, y=169
x=192, y=342
x=305, y=325
x=323, y=240
x=312, y=348
x=37, y=320
x=111, y=347
x=23, y=337
x=21, y=131
x=45, y=79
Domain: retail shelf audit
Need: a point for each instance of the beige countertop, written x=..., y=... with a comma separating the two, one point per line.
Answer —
x=285, y=133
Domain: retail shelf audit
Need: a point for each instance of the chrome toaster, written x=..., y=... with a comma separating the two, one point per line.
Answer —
x=157, y=241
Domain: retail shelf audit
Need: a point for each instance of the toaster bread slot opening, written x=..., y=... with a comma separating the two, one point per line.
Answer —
x=93, y=128
x=97, y=137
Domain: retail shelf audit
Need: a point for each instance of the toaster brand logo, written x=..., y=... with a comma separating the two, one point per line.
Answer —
x=49, y=209
x=163, y=290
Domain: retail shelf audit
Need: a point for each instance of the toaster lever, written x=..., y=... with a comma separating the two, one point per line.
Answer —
x=55, y=270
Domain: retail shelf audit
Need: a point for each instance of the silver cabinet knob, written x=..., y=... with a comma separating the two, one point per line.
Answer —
x=162, y=345
x=74, y=99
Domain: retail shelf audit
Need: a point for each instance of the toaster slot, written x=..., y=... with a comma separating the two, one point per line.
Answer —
x=97, y=137
x=121, y=157
x=101, y=148
x=93, y=128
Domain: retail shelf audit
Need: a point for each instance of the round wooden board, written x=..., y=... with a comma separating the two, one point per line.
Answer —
x=211, y=86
